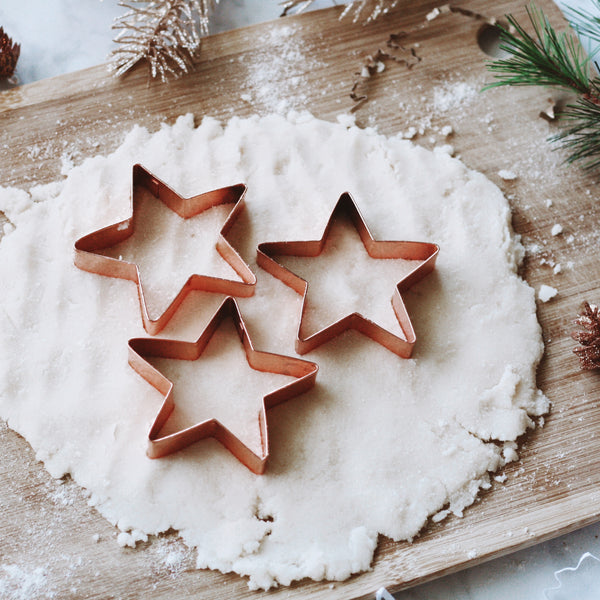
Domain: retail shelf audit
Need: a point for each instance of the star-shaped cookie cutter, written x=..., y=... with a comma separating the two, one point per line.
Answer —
x=422, y=251
x=304, y=371
x=88, y=249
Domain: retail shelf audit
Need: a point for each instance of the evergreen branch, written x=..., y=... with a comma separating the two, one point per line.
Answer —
x=546, y=58
x=584, y=23
x=581, y=135
x=550, y=59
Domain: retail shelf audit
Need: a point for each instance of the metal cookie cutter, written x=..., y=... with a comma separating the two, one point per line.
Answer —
x=88, y=249
x=139, y=348
x=422, y=251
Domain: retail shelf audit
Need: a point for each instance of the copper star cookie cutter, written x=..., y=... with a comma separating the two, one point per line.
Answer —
x=304, y=371
x=421, y=251
x=88, y=249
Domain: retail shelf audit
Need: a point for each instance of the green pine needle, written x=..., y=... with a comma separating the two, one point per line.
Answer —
x=547, y=58
x=581, y=135
x=552, y=59
x=585, y=23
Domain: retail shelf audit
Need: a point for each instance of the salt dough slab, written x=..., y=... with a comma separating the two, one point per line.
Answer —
x=379, y=446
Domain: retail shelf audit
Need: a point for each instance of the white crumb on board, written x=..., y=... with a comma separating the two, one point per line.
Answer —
x=378, y=446
x=131, y=538
x=546, y=292
x=430, y=16
x=507, y=175
x=557, y=229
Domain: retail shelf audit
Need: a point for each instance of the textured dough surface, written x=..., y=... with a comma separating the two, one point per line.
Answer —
x=379, y=445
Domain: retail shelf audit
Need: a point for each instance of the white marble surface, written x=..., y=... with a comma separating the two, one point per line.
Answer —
x=59, y=36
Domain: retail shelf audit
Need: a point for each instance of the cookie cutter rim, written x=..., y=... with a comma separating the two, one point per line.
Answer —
x=407, y=250
x=88, y=258
x=304, y=371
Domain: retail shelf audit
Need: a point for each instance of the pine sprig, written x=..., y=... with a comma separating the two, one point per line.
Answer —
x=585, y=23
x=166, y=33
x=557, y=60
x=546, y=58
x=581, y=135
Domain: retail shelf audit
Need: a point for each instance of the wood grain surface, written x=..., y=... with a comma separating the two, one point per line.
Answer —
x=58, y=545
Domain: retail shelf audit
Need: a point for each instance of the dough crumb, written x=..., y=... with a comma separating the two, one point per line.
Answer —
x=440, y=516
x=557, y=229
x=430, y=16
x=546, y=292
x=510, y=455
x=131, y=538
x=507, y=175
x=549, y=202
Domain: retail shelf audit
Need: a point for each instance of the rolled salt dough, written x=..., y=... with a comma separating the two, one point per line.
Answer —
x=378, y=446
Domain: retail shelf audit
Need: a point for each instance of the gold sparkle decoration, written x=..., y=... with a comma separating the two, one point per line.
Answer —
x=165, y=33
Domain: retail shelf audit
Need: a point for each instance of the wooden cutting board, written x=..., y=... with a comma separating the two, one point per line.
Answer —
x=309, y=62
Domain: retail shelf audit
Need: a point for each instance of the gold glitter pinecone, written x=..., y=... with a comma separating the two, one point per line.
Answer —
x=9, y=55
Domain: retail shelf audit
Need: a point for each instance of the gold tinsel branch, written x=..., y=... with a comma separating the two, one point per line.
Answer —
x=372, y=8
x=166, y=33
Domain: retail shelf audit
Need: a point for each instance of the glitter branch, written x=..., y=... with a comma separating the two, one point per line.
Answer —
x=588, y=336
x=166, y=33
